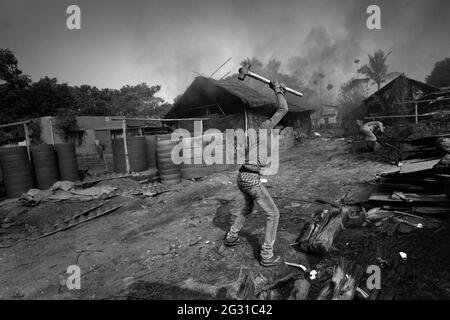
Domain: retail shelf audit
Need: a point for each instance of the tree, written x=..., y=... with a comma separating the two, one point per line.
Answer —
x=47, y=97
x=440, y=75
x=330, y=87
x=20, y=99
x=350, y=100
x=9, y=71
x=377, y=69
x=13, y=102
x=138, y=100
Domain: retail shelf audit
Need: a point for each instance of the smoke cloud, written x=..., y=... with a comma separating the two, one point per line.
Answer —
x=166, y=42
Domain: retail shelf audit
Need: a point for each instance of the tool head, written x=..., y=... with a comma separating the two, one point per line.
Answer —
x=243, y=71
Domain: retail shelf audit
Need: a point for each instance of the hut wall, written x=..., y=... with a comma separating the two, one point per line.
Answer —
x=300, y=121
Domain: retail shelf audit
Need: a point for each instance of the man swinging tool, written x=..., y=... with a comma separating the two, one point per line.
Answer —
x=249, y=181
x=369, y=130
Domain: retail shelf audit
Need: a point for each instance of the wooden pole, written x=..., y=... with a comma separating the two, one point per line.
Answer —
x=416, y=113
x=425, y=100
x=220, y=67
x=245, y=121
x=407, y=115
x=125, y=146
x=27, y=140
x=151, y=119
x=51, y=130
x=14, y=124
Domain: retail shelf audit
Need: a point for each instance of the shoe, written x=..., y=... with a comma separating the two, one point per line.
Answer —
x=270, y=262
x=234, y=242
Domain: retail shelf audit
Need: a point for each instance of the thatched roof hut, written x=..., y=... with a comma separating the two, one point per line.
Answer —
x=227, y=96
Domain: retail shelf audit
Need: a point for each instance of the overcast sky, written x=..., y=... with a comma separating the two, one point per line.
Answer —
x=164, y=41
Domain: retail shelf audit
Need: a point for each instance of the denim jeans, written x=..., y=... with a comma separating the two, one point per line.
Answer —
x=261, y=196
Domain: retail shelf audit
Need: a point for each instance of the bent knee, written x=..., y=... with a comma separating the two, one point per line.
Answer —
x=274, y=214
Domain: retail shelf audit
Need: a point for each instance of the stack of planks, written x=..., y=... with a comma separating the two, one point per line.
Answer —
x=422, y=148
x=417, y=187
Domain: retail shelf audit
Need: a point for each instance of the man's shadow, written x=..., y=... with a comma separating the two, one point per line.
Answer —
x=224, y=220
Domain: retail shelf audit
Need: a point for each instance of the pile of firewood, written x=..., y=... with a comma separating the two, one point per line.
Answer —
x=443, y=166
x=338, y=283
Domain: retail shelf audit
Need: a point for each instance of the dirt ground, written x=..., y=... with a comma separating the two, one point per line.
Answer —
x=168, y=246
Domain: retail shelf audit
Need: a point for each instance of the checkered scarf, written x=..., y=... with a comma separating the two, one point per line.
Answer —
x=248, y=180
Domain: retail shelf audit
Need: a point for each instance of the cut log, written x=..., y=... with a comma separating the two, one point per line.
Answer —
x=300, y=290
x=343, y=282
x=247, y=288
x=319, y=235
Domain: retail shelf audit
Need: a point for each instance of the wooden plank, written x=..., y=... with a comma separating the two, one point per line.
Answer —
x=428, y=140
x=114, y=118
x=359, y=194
x=407, y=115
x=409, y=198
x=417, y=209
x=411, y=161
x=431, y=210
x=14, y=124
x=418, y=166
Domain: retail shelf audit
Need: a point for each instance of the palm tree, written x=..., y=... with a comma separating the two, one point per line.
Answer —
x=329, y=88
x=377, y=68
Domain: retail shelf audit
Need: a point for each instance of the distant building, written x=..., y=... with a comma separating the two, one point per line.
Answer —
x=396, y=98
x=91, y=128
x=326, y=116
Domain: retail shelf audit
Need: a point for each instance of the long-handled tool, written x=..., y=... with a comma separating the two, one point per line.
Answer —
x=244, y=72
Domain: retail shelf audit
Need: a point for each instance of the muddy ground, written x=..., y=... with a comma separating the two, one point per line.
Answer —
x=168, y=246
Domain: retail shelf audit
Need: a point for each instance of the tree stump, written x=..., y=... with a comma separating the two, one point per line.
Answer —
x=319, y=235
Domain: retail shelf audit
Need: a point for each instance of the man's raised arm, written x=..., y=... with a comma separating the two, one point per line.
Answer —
x=280, y=90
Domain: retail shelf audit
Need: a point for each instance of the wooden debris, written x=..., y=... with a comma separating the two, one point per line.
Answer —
x=343, y=282
x=361, y=293
x=443, y=166
x=278, y=282
x=247, y=288
x=383, y=197
x=319, y=235
x=300, y=290
x=296, y=265
x=66, y=224
x=418, y=166
x=443, y=144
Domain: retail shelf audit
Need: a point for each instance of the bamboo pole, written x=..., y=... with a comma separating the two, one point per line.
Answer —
x=51, y=130
x=125, y=146
x=27, y=140
x=407, y=115
x=14, y=124
x=425, y=100
x=416, y=113
x=151, y=119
